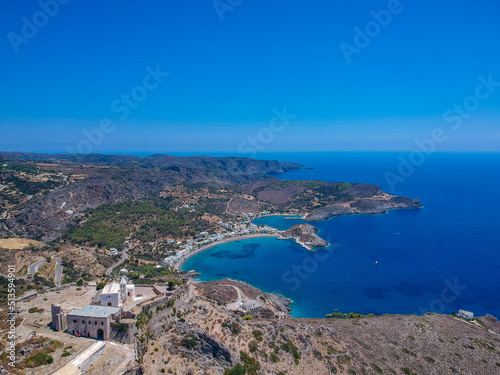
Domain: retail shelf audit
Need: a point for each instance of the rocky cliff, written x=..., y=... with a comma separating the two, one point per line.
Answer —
x=306, y=235
x=367, y=206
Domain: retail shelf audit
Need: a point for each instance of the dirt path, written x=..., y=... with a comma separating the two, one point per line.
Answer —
x=227, y=205
x=237, y=304
x=59, y=271
x=124, y=258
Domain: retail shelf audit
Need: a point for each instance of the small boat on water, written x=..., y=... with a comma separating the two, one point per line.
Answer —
x=376, y=262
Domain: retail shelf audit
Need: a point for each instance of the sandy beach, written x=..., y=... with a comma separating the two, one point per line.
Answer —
x=181, y=261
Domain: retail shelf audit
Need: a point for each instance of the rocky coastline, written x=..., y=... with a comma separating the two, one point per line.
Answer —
x=365, y=206
x=305, y=235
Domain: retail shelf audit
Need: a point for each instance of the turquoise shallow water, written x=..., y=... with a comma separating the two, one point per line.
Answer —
x=441, y=258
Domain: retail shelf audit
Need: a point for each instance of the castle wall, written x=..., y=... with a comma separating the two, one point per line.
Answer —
x=89, y=326
x=58, y=318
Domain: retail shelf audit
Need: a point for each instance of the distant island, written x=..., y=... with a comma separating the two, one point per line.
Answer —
x=305, y=235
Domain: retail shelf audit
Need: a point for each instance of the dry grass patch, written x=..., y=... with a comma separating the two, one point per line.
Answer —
x=18, y=243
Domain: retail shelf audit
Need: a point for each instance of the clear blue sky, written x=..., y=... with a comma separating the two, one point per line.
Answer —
x=226, y=76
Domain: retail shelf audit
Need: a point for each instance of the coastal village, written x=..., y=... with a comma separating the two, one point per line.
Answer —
x=112, y=312
x=229, y=230
x=244, y=228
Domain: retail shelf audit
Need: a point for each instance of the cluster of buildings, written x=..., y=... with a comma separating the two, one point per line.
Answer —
x=95, y=320
x=245, y=228
x=233, y=229
x=172, y=259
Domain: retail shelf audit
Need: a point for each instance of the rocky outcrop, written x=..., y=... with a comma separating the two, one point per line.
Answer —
x=209, y=337
x=381, y=206
x=305, y=235
x=366, y=206
x=328, y=212
x=204, y=345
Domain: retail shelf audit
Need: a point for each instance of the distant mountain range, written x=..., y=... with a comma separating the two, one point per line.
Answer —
x=224, y=186
x=228, y=164
x=128, y=178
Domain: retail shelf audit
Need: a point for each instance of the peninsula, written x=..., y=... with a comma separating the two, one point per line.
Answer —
x=70, y=222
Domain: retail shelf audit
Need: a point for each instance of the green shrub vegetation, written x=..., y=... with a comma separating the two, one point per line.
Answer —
x=407, y=371
x=234, y=327
x=110, y=224
x=189, y=342
x=406, y=351
x=251, y=365
x=257, y=335
x=69, y=272
x=238, y=369
x=289, y=347
x=143, y=318
x=253, y=346
x=43, y=281
x=377, y=368
x=38, y=359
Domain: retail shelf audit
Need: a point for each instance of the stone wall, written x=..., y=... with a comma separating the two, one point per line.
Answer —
x=89, y=326
x=64, y=286
x=91, y=359
x=58, y=318
x=153, y=302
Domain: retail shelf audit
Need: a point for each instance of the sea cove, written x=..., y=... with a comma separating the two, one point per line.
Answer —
x=440, y=258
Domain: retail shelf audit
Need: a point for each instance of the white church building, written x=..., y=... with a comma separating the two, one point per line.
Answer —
x=114, y=294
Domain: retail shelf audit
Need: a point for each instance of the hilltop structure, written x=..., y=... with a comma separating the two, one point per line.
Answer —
x=58, y=318
x=117, y=303
x=93, y=321
x=115, y=294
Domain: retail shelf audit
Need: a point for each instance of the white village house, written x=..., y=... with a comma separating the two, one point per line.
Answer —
x=115, y=294
x=465, y=314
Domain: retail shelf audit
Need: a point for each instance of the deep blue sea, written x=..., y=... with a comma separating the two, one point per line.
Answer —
x=441, y=258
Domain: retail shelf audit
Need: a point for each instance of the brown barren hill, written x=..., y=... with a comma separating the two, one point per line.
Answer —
x=18, y=243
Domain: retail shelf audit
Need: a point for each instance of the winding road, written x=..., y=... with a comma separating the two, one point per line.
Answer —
x=35, y=267
x=237, y=304
x=59, y=271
